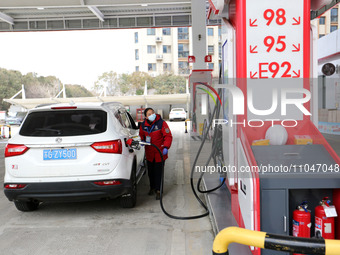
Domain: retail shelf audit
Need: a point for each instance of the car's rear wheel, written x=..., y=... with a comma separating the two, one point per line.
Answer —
x=26, y=206
x=129, y=200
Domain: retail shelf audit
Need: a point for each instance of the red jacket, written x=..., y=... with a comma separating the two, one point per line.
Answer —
x=160, y=135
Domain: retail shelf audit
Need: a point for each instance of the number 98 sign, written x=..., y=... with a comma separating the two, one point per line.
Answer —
x=274, y=39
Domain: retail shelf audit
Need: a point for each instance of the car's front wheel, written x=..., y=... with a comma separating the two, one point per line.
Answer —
x=26, y=206
x=129, y=200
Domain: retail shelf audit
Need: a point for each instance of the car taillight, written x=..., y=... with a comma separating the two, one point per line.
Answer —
x=15, y=150
x=108, y=147
x=15, y=186
x=107, y=183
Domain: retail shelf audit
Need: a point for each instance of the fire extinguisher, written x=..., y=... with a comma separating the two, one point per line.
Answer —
x=302, y=221
x=324, y=226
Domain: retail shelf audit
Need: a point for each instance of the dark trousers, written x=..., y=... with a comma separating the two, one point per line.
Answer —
x=155, y=174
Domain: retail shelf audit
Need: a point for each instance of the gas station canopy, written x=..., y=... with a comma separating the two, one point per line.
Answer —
x=30, y=103
x=43, y=15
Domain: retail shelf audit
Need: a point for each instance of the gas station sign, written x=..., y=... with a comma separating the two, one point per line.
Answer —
x=207, y=58
x=275, y=39
x=191, y=59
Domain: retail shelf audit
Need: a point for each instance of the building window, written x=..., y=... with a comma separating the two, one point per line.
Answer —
x=334, y=28
x=183, y=67
x=211, y=49
x=166, y=31
x=166, y=49
x=210, y=31
x=137, y=54
x=211, y=66
x=137, y=68
x=136, y=37
x=183, y=50
x=322, y=20
x=151, y=31
x=167, y=67
x=334, y=15
x=183, y=33
x=151, y=49
x=151, y=67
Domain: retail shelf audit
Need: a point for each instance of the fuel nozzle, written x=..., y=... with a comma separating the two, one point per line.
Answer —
x=135, y=144
x=131, y=142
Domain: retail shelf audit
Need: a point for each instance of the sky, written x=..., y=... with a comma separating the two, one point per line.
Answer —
x=75, y=57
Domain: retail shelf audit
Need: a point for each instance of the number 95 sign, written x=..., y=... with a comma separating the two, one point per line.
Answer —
x=274, y=39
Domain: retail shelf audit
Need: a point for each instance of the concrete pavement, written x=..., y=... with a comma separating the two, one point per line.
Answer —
x=102, y=227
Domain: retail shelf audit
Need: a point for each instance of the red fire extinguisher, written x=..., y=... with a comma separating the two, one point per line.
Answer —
x=324, y=226
x=302, y=221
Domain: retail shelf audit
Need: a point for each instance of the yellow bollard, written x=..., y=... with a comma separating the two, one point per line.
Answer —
x=9, y=131
x=186, y=125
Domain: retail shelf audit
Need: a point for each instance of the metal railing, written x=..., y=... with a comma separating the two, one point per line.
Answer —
x=264, y=240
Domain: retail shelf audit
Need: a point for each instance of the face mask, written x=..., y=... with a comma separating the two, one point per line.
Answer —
x=152, y=117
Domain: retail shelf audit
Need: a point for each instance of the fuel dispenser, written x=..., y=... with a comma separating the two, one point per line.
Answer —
x=268, y=66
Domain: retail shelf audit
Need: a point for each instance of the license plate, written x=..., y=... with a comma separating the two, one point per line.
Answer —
x=60, y=154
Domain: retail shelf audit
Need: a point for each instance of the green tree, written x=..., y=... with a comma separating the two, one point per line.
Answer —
x=39, y=87
x=10, y=84
x=169, y=84
x=77, y=91
x=110, y=80
x=133, y=84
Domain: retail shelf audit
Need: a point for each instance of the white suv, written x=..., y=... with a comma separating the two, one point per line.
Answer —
x=73, y=153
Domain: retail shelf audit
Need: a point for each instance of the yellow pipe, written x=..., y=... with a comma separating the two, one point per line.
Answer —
x=332, y=247
x=239, y=235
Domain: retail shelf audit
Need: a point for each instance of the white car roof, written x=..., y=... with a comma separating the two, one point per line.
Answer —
x=82, y=105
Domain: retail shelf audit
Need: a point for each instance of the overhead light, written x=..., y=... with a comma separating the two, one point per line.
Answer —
x=41, y=8
x=144, y=5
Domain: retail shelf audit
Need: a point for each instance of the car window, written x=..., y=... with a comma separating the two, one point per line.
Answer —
x=125, y=120
x=133, y=124
x=64, y=123
x=177, y=110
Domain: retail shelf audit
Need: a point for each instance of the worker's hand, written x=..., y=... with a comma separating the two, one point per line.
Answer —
x=165, y=151
x=129, y=141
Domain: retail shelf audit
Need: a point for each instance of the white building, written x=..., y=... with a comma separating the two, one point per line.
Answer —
x=161, y=50
x=328, y=22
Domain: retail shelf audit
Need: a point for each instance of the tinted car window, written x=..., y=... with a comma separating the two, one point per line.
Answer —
x=125, y=120
x=133, y=124
x=64, y=123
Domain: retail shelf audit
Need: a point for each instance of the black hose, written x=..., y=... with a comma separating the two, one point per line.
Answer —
x=161, y=196
x=206, y=213
x=213, y=153
x=216, y=108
